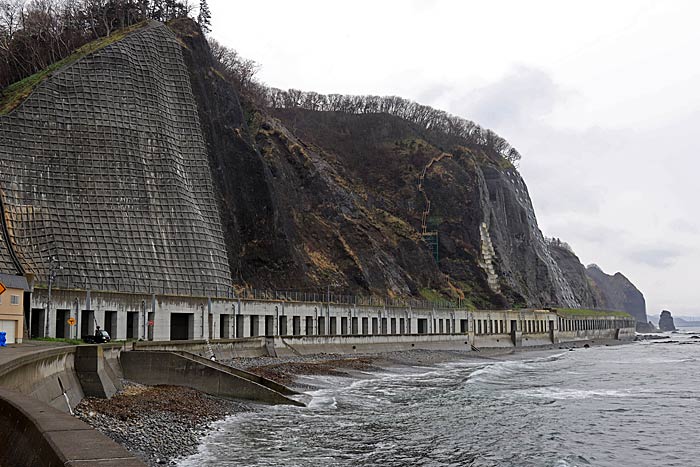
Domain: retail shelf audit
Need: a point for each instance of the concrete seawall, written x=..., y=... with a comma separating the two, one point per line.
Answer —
x=51, y=381
x=307, y=345
x=240, y=373
x=224, y=348
x=153, y=317
x=34, y=434
x=179, y=369
x=48, y=376
x=53, y=375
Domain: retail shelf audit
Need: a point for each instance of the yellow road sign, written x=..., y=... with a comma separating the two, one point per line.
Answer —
x=2, y=288
x=71, y=321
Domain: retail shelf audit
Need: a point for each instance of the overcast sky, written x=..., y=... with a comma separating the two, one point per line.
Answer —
x=601, y=99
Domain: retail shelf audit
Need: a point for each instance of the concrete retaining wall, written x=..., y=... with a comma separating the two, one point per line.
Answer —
x=240, y=373
x=162, y=367
x=607, y=334
x=223, y=348
x=45, y=376
x=34, y=434
x=167, y=317
x=306, y=345
x=494, y=341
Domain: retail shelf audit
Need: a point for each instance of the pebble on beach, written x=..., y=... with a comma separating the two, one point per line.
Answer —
x=157, y=423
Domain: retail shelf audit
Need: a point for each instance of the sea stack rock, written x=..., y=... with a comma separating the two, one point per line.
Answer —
x=646, y=327
x=666, y=321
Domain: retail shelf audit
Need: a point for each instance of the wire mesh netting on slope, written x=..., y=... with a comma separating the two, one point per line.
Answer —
x=105, y=170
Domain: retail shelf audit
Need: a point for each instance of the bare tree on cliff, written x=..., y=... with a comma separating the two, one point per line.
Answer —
x=451, y=128
x=204, y=16
x=241, y=70
x=37, y=33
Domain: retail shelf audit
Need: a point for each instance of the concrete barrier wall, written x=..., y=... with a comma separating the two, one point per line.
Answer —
x=240, y=373
x=163, y=367
x=494, y=341
x=305, y=345
x=34, y=434
x=48, y=376
x=537, y=339
x=627, y=334
x=167, y=317
x=51, y=375
x=223, y=348
x=602, y=334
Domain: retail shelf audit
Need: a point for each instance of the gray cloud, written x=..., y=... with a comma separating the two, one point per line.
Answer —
x=655, y=257
x=684, y=226
x=522, y=94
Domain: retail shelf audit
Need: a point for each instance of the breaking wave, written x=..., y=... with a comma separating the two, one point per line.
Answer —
x=600, y=406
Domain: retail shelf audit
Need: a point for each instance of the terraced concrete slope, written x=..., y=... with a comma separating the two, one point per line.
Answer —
x=105, y=169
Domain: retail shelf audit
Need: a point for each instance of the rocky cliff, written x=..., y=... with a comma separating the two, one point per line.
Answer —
x=575, y=274
x=488, y=240
x=616, y=292
x=154, y=170
x=666, y=321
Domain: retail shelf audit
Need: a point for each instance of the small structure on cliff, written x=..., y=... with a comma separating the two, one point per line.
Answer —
x=666, y=321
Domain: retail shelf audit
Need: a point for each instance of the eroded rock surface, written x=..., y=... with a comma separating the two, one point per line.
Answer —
x=666, y=321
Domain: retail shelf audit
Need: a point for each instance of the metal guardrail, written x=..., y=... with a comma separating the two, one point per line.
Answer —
x=250, y=294
x=317, y=297
x=344, y=299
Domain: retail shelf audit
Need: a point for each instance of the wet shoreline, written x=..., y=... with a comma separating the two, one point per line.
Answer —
x=157, y=423
x=162, y=424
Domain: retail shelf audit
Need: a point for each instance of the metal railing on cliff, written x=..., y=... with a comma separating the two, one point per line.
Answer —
x=173, y=288
x=345, y=299
x=159, y=287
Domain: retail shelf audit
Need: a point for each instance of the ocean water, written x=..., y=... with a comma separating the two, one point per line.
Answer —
x=631, y=405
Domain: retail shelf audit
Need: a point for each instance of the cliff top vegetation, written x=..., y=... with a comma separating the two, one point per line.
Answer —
x=14, y=94
x=591, y=313
x=36, y=35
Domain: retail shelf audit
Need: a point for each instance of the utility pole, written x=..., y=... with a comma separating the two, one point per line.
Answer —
x=328, y=310
x=145, y=320
x=77, y=313
x=53, y=264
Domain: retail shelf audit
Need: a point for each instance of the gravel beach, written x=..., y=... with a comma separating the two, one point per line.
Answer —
x=157, y=423
x=163, y=423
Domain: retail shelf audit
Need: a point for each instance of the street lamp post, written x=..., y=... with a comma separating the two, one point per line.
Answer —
x=53, y=267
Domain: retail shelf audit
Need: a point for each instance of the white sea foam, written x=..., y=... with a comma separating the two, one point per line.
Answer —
x=322, y=399
x=571, y=394
x=500, y=370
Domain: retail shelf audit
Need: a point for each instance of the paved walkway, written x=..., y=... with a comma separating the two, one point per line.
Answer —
x=13, y=351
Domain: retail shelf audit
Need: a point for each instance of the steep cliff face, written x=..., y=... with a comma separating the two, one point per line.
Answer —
x=104, y=169
x=141, y=167
x=575, y=274
x=317, y=199
x=526, y=264
x=616, y=292
x=666, y=321
x=293, y=218
x=478, y=203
